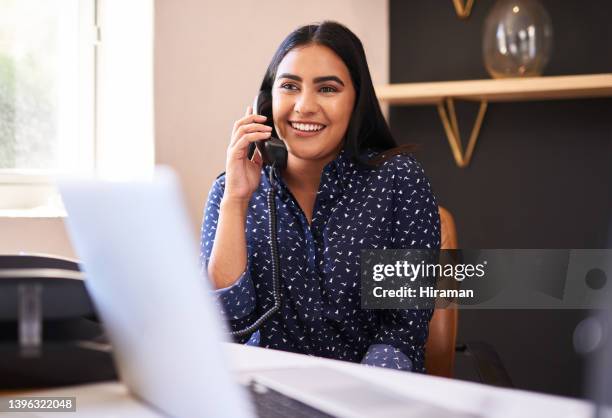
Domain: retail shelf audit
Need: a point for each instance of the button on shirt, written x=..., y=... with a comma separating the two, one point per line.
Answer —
x=389, y=207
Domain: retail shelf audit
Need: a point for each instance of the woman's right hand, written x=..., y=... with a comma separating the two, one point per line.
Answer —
x=242, y=175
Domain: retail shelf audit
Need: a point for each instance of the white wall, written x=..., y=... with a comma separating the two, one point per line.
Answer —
x=210, y=57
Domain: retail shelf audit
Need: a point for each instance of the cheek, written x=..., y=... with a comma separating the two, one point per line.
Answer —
x=340, y=111
x=278, y=114
x=281, y=107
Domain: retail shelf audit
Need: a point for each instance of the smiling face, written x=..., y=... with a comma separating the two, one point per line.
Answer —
x=312, y=102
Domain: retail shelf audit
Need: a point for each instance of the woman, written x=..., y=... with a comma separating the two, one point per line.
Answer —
x=346, y=187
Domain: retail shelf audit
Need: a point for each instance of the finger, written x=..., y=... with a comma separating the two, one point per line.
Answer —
x=250, y=119
x=245, y=140
x=256, y=158
x=247, y=118
x=249, y=128
x=252, y=127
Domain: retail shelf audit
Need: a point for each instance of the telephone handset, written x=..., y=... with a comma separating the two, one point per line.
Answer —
x=274, y=153
x=273, y=150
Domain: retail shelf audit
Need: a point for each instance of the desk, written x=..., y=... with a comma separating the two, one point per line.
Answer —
x=112, y=399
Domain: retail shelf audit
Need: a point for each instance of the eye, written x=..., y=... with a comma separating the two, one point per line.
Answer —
x=328, y=89
x=288, y=86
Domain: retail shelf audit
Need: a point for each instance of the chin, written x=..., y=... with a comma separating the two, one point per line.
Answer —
x=310, y=148
x=305, y=153
x=310, y=153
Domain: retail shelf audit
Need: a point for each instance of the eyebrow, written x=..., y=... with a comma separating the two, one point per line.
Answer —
x=316, y=80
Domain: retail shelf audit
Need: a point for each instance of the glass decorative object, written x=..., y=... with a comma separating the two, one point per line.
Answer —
x=517, y=39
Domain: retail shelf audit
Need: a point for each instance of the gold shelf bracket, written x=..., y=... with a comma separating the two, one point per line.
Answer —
x=463, y=9
x=446, y=109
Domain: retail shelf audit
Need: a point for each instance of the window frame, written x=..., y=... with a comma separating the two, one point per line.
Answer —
x=26, y=189
x=33, y=192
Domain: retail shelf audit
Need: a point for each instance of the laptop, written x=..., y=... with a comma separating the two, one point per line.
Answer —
x=140, y=260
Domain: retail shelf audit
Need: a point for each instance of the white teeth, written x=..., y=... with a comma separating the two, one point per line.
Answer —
x=307, y=127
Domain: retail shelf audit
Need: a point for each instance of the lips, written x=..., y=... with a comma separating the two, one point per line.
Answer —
x=306, y=128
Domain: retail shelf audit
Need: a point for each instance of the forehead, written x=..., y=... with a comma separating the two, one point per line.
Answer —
x=312, y=61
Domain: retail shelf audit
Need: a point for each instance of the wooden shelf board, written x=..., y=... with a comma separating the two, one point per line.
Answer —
x=500, y=90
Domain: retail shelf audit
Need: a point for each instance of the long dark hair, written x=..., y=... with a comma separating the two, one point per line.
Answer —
x=367, y=128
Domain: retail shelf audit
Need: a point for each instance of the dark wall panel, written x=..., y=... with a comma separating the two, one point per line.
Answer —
x=541, y=176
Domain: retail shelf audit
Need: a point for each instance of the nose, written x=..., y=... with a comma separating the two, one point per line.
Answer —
x=306, y=103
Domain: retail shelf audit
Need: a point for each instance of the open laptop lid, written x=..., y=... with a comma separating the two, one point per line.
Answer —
x=140, y=260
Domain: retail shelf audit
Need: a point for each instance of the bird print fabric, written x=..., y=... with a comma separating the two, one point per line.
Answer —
x=388, y=207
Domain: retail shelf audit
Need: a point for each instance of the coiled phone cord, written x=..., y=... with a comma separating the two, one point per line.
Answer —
x=275, y=263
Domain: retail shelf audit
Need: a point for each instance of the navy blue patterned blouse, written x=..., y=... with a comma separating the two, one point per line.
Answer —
x=386, y=208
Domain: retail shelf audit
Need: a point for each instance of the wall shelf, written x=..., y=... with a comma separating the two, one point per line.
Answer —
x=443, y=94
x=462, y=8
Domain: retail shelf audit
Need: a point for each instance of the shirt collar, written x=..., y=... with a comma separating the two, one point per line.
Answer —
x=334, y=178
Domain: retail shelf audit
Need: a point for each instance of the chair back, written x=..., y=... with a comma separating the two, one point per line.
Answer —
x=440, y=346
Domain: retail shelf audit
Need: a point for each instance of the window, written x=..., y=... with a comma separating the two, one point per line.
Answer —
x=46, y=86
x=70, y=80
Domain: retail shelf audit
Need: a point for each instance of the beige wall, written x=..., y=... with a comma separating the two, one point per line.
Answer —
x=34, y=235
x=210, y=56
